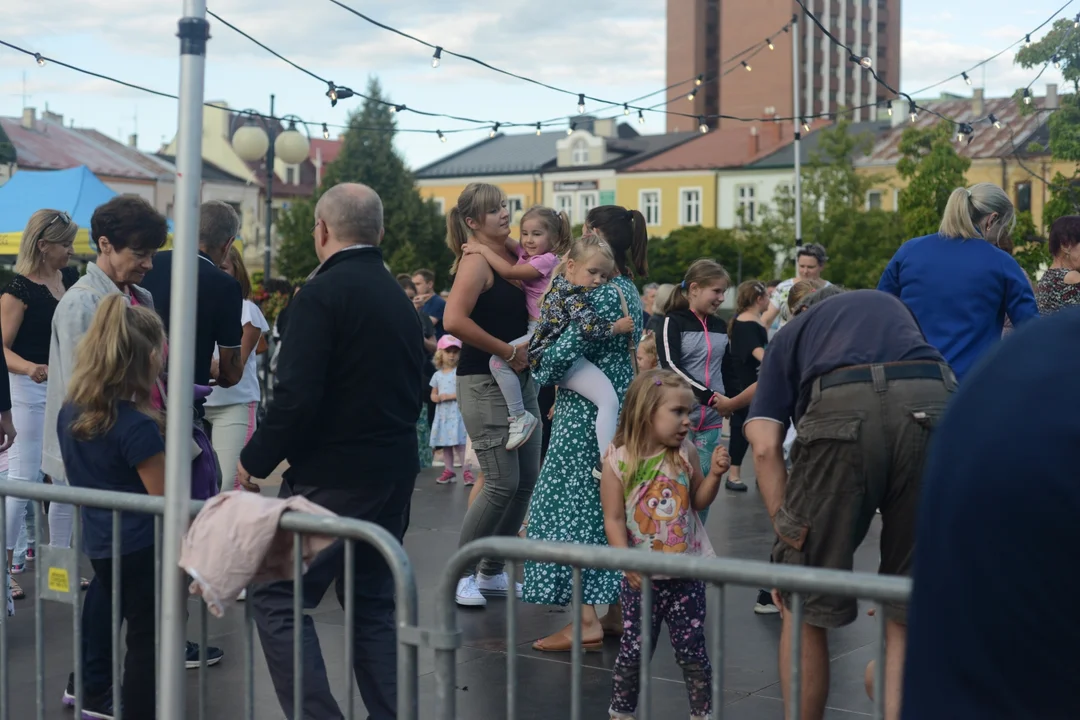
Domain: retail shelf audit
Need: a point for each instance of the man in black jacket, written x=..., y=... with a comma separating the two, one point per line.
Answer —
x=344, y=416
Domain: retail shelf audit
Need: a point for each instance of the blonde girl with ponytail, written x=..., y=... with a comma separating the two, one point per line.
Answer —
x=959, y=282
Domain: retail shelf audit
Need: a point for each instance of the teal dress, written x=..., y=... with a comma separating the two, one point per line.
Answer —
x=566, y=502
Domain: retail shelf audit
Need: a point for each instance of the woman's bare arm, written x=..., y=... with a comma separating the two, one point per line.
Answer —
x=12, y=311
x=471, y=280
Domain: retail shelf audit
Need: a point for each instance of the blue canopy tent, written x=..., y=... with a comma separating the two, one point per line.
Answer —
x=76, y=191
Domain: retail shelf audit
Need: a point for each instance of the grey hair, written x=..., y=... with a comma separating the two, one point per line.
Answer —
x=969, y=207
x=219, y=224
x=354, y=212
x=650, y=286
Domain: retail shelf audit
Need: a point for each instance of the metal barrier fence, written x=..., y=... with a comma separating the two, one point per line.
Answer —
x=57, y=577
x=717, y=572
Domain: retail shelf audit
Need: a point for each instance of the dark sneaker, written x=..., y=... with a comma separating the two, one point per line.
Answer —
x=98, y=708
x=764, y=604
x=69, y=692
x=737, y=486
x=213, y=656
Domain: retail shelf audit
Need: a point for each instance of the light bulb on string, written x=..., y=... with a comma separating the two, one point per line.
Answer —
x=442, y=138
x=398, y=109
x=691, y=96
x=745, y=65
x=888, y=107
x=581, y=103
x=966, y=78
x=864, y=61
x=703, y=126
x=1027, y=96
x=994, y=121
x=436, y=59
x=538, y=130
x=641, y=117
x=700, y=79
x=325, y=132
x=913, y=111
x=1076, y=22
x=40, y=60
x=1027, y=41
x=965, y=131
x=332, y=94
x=768, y=41
x=570, y=130
x=625, y=109
x=1057, y=62
x=494, y=130
x=805, y=125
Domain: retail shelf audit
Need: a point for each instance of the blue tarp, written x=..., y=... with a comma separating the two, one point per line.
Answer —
x=76, y=191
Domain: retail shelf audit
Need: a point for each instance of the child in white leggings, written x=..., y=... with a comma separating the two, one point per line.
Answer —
x=589, y=264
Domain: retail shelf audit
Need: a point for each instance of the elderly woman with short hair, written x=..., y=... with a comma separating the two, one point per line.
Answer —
x=1059, y=287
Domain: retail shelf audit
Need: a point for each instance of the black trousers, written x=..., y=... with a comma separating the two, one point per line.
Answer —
x=738, y=445
x=375, y=639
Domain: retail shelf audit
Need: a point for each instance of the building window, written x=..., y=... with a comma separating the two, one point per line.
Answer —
x=580, y=152
x=440, y=203
x=896, y=200
x=744, y=201
x=290, y=176
x=589, y=200
x=1023, y=197
x=873, y=200
x=515, y=204
x=565, y=203
x=690, y=206
x=649, y=203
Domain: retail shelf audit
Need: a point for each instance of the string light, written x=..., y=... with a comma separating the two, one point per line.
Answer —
x=570, y=130
x=702, y=125
x=332, y=94
x=1057, y=62
x=701, y=78
x=966, y=78
x=768, y=41
x=1076, y=23
x=40, y=60
x=1027, y=41
x=625, y=109
x=965, y=131
x=691, y=96
x=866, y=62
x=913, y=111
x=581, y=103
x=748, y=68
x=805, y=125
x=538, y=130
x=994, y=121
x=436, y=59
x=640, y=117
x=1027, y=96
x=494, y=130
x=398, y=109
x=442, y=138
x=325, y=132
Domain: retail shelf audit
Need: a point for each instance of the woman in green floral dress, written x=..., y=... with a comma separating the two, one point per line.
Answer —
x=566, y=502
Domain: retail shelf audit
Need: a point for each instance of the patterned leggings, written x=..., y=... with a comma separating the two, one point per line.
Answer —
x=681, y=604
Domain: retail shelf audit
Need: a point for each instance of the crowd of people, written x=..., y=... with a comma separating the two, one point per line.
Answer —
x=592, y=412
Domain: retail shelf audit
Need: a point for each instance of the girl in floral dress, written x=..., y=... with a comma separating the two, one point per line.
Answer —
x=652, y=491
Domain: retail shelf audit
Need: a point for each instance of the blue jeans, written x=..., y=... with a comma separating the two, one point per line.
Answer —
x=26, y=533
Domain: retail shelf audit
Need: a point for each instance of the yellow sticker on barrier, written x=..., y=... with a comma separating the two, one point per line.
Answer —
x=59, y=580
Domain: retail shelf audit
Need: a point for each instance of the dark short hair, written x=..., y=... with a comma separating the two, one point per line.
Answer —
x=129, y=222
x=219, y=224
x=1064, y=234
x=773, y=283
x=406, y=283
x=428, y=275
x=812, y=250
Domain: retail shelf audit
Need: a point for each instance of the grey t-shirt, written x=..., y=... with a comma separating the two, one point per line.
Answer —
x=861, y=327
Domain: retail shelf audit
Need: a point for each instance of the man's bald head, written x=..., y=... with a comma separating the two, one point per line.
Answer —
x=353, y=214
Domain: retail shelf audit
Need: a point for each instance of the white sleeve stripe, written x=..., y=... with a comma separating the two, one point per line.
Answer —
x=667, y=354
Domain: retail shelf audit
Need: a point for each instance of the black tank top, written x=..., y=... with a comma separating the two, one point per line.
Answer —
x=501, y=312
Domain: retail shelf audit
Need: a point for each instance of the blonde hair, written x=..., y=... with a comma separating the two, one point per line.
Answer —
x=701, y=272
x=118, y=360
x=648, y=346
x=49, y=226
x=556, y=223
x=800, y=291
x=636, y=422
x=749, y=293
x=969, y=207
x=581, y=249
x=446, y=361
x=240, y=271
x=662, y=297
x=475, y=201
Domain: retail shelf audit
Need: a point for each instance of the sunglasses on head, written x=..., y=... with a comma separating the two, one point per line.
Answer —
x=61, y=217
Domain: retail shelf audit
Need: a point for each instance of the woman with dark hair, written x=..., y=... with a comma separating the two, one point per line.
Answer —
x=1059, y=287
x=566, y=504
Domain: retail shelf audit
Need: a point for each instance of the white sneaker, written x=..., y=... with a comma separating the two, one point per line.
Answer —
x=497, y=585
x=468, y=595
x=242, y=596
x=521, y=429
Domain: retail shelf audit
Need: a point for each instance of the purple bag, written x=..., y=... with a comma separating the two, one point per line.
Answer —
x=205, y=474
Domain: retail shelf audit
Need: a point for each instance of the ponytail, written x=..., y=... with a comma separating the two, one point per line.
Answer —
x=475, y=201
x=749, y=293
x=457, y=234
x=626, y=232
x=701, y=272
x=967, y=207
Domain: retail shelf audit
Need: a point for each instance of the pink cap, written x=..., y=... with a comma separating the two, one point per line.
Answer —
x=447, y=341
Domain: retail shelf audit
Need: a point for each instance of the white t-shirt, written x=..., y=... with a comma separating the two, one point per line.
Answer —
x=780, y=297
x=247, y=390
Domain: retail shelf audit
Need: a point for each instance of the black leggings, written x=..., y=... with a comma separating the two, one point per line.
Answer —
x=738, y=445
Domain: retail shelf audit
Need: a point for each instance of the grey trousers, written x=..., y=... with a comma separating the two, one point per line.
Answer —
x=384, y=501
x=509, y=475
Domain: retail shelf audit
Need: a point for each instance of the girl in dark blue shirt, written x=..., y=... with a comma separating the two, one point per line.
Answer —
x=111, y=439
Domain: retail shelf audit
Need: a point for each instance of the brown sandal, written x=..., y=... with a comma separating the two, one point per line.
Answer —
x=17, y=592
x=566, y=645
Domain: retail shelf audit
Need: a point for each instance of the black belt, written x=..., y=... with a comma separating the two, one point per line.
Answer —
x=894, y=371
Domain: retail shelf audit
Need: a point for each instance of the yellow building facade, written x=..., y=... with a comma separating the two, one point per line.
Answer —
x=522, y=192
x=670, y=200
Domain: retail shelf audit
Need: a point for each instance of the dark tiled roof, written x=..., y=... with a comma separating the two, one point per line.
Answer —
x=633, y=150
x=785, y=156
x=502, y=154
x=210, y=171
x=52, y=146
x=988, y=141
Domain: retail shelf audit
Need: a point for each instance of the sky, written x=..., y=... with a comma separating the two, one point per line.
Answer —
x=605, y=48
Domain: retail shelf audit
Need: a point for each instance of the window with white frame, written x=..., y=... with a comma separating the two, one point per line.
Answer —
x=579, y=152
x=873, y=200
x=565, y=203
x=745, y=202
x=589, y=200
x=649, y=203
x=290, y=175
x=690, y=206
x=896, y=200
x=515, y=204
x=440, y=203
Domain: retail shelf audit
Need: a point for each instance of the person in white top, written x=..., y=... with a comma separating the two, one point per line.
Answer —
x=231, y=411
x=809, y=262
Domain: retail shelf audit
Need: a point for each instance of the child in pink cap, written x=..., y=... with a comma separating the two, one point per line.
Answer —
x=448, y=429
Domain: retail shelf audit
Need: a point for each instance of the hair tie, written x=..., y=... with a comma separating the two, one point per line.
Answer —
x=683, y=284
x=659, y=382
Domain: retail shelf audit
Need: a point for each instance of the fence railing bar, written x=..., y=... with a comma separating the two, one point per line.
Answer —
x=39, y=612
x=577, y=652
x=115, y=614
x=298, y=626
x=157, y=600
x=879, y=666
x=795, y=696
x=204, y=639
x=511, y=642
x=645, y=667
x=249, y=656
x=715, y=606
x=350, y=626
x=4, y=619
x=76, y=610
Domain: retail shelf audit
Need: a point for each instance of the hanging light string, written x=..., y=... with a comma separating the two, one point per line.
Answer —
x=1054, y=58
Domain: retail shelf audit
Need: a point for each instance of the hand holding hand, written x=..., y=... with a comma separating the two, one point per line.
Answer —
x=243, y=478
x=634, y=579
x=721, y=404
x=623, y=326
x=521, y=358
x=721, y=461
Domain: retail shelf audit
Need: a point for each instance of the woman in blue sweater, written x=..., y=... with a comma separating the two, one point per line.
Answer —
x=958, y=283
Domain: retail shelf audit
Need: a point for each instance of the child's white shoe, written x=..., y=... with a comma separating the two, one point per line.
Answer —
x=521, y=429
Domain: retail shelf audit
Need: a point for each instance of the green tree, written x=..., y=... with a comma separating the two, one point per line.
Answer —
x=933, y=169
x=415, y=230
x=1051, y=48
x=670, y=257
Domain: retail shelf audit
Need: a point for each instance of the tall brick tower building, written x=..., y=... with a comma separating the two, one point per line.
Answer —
x=701, y=34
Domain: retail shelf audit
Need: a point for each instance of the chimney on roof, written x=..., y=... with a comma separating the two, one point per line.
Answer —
x=133, y=140
x=1051, y=97
x=53, y=117
x=755, y=141
x=978, y=102
x=776, y=133
x=29, y=118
